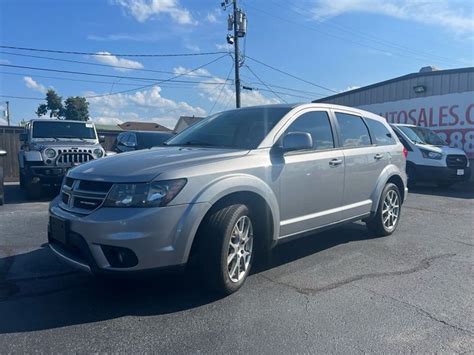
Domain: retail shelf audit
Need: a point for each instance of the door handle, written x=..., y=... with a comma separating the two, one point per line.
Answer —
x=378, y=156
x=335, y=162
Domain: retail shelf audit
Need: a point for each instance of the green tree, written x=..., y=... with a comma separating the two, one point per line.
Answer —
x=53, y=104
x=76, y=108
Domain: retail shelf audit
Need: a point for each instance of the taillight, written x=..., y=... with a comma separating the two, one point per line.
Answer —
x=405, y=152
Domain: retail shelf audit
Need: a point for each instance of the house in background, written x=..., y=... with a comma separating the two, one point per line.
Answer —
x=143, y=126
x=185, y=122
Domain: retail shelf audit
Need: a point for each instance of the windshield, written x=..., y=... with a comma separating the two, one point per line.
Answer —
x=58, y=129
x=240, y=129
x=420, y=135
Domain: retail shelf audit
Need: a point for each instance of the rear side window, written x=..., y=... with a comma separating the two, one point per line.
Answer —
x=380, y=134
x=317, y=124
x=354, y=132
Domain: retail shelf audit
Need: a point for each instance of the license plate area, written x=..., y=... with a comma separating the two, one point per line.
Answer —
x=460, y=172
x=59, y=229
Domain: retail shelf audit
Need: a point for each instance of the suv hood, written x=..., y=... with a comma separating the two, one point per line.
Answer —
x=145, y=165
x=446, y=150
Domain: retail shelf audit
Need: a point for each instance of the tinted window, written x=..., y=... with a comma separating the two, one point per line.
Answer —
x=58, y=129
x=132, y=139
x=149, y=140
x=122, y=138
x=242, y=129
x=353, y=130
x=380, y=134
x=317, y=124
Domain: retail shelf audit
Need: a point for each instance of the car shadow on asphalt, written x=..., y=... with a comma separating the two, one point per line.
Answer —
x=15, y=195
x=463, y=190
x=67, y=297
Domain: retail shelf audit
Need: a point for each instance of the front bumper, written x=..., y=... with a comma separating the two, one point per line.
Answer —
x=157, y=237
x=46, y=175
x=441, y=174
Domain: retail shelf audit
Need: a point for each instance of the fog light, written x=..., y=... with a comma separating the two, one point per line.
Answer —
x=119, y=257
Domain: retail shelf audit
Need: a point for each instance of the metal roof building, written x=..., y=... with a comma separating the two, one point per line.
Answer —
x=442, y=100
x=427, y=82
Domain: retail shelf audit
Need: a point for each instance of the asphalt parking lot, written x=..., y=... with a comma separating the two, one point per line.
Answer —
x=339, y=291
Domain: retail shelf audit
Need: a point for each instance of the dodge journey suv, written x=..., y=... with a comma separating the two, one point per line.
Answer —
x=228, y=189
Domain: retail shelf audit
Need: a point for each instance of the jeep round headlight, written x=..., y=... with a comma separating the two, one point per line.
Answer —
x=98, y=153
x=50, y=153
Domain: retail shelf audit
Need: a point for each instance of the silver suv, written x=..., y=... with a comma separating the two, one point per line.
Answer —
x=234, y=184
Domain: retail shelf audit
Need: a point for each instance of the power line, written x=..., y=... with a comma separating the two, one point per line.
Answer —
x=339, y=37
x=159, y=82
x=21, y=97
x=256, y=88
x=181, y=85
x=298, y=10
x=114, y=76
x=291, y=75
x=113, y=54
x=258, y=78
x=222, y=89
x=99, y=64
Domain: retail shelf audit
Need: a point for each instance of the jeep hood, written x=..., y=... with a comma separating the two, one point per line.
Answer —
x=145, y=165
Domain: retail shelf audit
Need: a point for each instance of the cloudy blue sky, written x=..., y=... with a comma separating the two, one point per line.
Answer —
x=333, y=44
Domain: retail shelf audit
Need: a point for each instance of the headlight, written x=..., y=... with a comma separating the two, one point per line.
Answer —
x=153, y=194
x=50, y=153
x=98, y=153
x=431, y=155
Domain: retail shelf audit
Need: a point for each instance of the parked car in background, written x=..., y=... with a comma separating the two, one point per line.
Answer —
x=237, y=182
x=50, y=148
x=430, y=158
x=2, y=195
x=137, y=140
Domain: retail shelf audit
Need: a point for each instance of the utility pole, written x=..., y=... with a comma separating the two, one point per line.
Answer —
x=238, y=23
x=7, y=112
x=236, y=58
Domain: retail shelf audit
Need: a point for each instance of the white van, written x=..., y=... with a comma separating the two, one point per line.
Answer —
x=430, y=158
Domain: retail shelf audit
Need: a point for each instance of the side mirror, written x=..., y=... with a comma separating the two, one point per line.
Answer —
x=23, y=137
x=2, y=153
x=297, y=141
x=101, y=139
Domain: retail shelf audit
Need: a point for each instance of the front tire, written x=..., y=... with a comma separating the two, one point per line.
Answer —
x=387, y=217
x=227, y=248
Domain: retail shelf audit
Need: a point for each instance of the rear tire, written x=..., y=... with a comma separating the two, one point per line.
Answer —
x=227, y=248
x=387, y=217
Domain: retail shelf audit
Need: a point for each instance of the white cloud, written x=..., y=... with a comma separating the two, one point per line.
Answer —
x=192, y=47
x=453, y=15
x=142, y=105
x=213, y=17
x=143, y=10
x=113, y=60
x=223, y=95
x=34, y=85
x=350, y=87
x=223, y=46
x=199, y=72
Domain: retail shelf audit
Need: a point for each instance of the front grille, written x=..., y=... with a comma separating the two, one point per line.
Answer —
x=456, y=161
x=70, y=159
x=83, y=196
